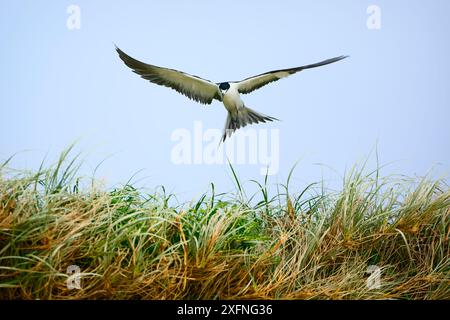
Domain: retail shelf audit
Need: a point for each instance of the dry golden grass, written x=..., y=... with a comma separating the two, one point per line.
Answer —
x=132, y=245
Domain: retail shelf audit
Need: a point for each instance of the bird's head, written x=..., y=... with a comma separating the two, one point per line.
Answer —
x=224, y=86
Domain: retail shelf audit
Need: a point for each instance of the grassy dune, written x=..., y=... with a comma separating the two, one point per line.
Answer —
x=301, y=244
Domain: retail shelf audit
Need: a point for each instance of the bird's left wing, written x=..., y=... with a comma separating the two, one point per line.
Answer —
x=195, y=88
x=250, y=84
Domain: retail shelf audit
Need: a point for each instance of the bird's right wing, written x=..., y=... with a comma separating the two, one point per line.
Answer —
x=250, y=84
x=195, y=88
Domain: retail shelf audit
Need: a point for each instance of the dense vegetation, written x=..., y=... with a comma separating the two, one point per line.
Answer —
x=308, y=244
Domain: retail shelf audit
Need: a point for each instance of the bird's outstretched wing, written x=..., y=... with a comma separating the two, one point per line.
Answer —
x=195, y=88
x=250, y=84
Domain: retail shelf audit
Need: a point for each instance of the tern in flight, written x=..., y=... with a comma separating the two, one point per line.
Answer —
x=205, y=91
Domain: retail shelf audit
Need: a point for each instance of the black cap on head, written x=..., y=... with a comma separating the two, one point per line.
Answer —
x=224, y=86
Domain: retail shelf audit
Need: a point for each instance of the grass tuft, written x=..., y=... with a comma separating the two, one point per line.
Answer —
x=301, y=244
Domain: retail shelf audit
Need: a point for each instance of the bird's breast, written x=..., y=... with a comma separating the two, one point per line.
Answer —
x=232, y=100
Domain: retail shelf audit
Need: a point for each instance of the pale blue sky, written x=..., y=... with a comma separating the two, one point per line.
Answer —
x=59, y=85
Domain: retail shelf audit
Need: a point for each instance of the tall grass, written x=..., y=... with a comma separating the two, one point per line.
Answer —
x=300, y=244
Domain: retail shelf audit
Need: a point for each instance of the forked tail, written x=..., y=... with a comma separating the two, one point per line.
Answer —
x=244, y=117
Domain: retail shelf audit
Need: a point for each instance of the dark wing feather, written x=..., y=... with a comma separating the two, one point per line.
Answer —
x=195, y=88
x=250, y=84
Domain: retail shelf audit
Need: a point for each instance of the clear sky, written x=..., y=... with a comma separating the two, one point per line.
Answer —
x=60, y=84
